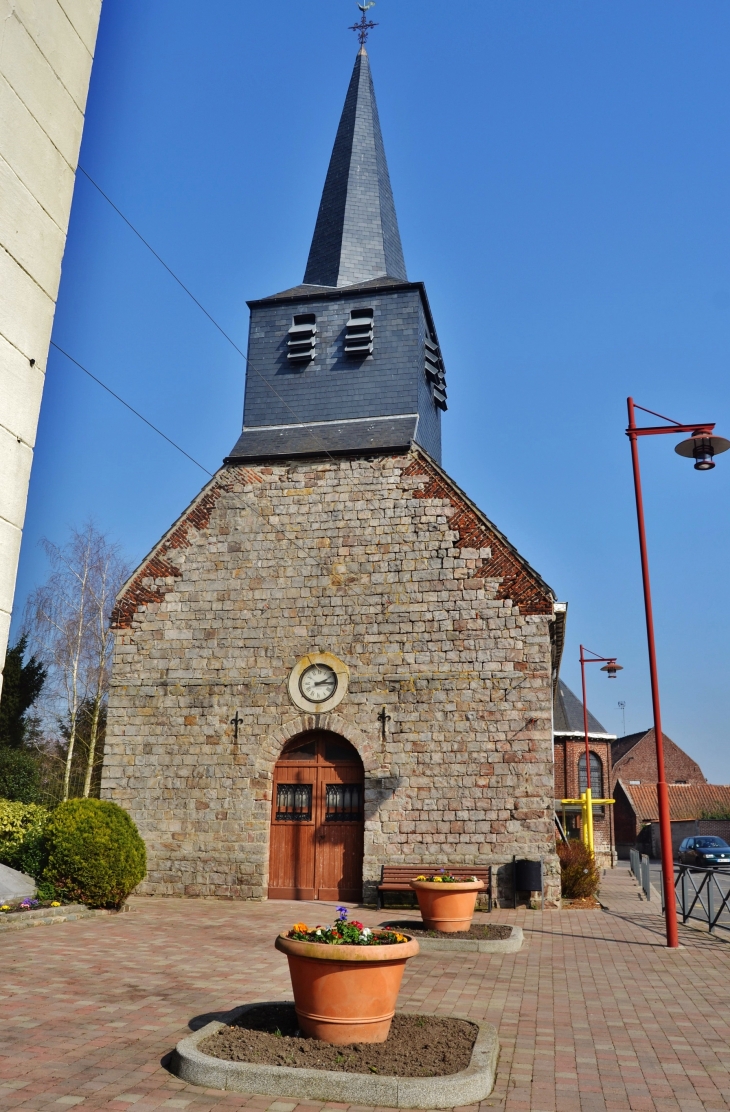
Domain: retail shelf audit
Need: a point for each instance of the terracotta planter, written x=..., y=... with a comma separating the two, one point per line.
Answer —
x=447, y=906
x=346, y=994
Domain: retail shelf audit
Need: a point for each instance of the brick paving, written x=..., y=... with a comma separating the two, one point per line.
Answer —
x=593, y=1013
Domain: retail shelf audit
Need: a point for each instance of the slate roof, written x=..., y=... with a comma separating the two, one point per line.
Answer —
x=308, y=289
x=686, y=801
x=568, y=715
x=356, y=237
x=316, y=438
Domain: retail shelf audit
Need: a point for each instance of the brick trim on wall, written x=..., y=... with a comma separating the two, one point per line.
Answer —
x=519, y=582
x=146, y=585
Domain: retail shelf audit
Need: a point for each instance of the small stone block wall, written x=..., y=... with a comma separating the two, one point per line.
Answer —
x=383, y=562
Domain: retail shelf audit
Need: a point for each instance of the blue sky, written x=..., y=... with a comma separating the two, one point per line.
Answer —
x=560, y=173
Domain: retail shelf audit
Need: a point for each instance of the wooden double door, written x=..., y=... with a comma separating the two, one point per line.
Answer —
x=317, y=820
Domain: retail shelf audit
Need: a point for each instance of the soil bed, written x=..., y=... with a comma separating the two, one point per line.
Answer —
x=585, y=903
x=417, y=1046
x=33, y=905
x=476, y=930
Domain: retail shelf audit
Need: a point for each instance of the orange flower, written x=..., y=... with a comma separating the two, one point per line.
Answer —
x=300, y=928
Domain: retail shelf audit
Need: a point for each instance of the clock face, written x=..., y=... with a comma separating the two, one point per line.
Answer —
x=318, y=683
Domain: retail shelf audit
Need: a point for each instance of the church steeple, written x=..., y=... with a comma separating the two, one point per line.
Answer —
x=356, y=236
x=349, y=361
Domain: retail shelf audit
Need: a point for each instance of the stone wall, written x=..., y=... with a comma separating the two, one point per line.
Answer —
x=383, y=562
x=46, y=50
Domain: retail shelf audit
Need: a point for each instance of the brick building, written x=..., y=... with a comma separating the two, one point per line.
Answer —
x=637, y=814
x=570, y=769
x=334, y=660
x=634, y=760
x=634, y=779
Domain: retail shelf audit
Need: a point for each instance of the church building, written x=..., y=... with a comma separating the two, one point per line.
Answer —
x=333, y=660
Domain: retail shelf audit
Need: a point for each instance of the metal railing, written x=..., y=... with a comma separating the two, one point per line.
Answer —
x=701, y=895
x=640, y=869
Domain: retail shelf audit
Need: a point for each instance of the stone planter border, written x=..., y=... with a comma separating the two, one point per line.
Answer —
x=466, y=1087
x=469, y=945
x=49, y=916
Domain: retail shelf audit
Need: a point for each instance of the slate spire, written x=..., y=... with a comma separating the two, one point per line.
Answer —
x=356, y=236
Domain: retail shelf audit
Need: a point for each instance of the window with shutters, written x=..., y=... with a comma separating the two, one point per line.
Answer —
x=596, y=775
x=359, y=334
x=302, y=340
x=436, y=374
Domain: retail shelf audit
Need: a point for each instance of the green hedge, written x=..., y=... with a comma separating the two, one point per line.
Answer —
x=20, y=778
x=22, y=836
x=95, y=853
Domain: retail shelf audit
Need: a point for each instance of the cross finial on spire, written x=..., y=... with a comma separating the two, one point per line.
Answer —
x=365, y=26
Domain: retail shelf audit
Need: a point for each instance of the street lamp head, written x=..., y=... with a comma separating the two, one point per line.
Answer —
x=612, y=668
x=701, y=447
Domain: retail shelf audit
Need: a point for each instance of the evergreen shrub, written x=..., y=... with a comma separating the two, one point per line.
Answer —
x=19, y=775
x=579, y=875
x=22, y=836
x=95, y=853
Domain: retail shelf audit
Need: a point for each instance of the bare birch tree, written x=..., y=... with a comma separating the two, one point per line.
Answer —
x=68, y=621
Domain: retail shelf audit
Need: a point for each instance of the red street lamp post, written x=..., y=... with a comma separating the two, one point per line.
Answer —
x=610, y=666
x=701, y=447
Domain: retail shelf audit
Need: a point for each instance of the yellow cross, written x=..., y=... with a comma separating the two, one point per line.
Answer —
x=587, y=803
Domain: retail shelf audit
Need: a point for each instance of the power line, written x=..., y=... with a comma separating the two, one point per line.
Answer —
x=202, y=308
x=163, y=263
x=130, y=408
x=164, y=436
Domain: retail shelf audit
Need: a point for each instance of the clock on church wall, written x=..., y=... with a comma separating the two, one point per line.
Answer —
x=318, y=683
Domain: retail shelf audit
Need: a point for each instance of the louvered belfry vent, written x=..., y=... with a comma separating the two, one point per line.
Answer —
x=359, y=334
x=436, y=374
x=302, y=338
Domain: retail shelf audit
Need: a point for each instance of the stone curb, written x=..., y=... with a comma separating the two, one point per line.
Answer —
x=472, y=945
x=48, y=916
x=466, y=1087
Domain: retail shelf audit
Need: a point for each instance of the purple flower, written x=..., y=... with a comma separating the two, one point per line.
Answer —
x=341, y=914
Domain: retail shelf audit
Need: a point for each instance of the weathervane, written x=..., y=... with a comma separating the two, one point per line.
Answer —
x=365, y=26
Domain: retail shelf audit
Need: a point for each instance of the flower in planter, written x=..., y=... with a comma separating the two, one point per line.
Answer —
x=442, y=877
x=56, y=903
x=5, y=907
x=342, y=933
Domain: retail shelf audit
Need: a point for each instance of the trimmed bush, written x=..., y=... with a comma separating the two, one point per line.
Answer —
x=22, y=841
x=579, y=876
x=95, y=853
x=19, y=775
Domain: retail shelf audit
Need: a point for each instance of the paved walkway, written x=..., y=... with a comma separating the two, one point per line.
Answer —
x=594, y=1013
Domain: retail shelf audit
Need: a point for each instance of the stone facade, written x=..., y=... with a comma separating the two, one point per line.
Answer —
x=383, y=562
x=46, y=51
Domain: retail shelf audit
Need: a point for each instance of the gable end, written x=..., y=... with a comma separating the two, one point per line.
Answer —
x=138, y=591
x=519, y=582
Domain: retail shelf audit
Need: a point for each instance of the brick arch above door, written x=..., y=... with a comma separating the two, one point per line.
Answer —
x=368, y=746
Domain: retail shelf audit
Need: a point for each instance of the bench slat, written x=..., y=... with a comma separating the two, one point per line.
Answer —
x=395, y=878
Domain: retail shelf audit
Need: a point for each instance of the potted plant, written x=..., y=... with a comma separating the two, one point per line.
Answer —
x=345, y=978
x=446, y=902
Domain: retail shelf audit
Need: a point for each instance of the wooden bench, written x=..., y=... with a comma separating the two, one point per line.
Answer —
x=395, y=878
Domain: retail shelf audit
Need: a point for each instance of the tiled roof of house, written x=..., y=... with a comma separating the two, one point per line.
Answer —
x=568, y=715
x=686, y=801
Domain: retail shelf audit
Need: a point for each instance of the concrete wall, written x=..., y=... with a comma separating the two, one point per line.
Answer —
x=46, y=51
x=432, y=612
